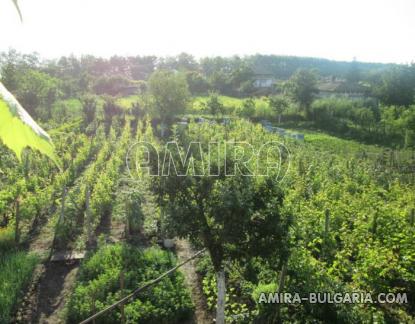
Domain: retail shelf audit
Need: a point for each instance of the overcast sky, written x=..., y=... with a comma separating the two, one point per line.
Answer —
x=370, y=30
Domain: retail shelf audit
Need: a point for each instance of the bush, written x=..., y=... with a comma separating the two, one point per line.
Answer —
x=166, y=302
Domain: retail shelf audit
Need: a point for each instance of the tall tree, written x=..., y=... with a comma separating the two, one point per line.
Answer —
x=235, y=217
x=248, y=108
x=279, y=104
x=397, y=87
x=302, y=87
x=170, y=94
x=213, y=105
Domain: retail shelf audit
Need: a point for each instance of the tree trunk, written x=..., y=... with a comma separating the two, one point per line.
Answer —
x=281, y=283
x=279, y=119
x=220, y=306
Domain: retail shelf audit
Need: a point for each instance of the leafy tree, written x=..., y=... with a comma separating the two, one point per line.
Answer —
x=170, y=94
x=241, y=79
x=37, y=90
x=220, y=82
x=213, y=105
x=248, y=108
x=112, y=85
x=197, y=83
x=142, y=66
x=9, y=70
x=302, y=87
x=235, y=217
x=279, y=104
x=397, y=87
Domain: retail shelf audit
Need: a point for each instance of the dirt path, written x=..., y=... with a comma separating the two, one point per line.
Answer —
x=184, y=251
x=51, y=283
x=59, y=280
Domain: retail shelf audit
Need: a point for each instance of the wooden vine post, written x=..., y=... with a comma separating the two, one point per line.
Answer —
x=412, y=217
x=17, y=221
x=127, y=219
x=88, y=216
x=62, y=215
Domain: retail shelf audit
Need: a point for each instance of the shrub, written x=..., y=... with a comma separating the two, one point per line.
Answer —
x=166, y=302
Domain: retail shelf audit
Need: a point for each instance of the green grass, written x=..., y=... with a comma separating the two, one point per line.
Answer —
x=6, y=239
x=232, y=105
x=126, y=102
x=72, y=105
x=16, y=268
x=321, y=140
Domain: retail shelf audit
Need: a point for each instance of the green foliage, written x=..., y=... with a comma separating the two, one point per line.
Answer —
x=213, y=105
x=302, y=87
x=397, y=87
x=37, y=92
x=169, y=92
x=112, y=85
x=364, y=120
x=367, y=244
x=236, y=310
x=18, y=130
x=89, y=108
x=198, y=85
x=224, y=212
x=279, y=104
x=248, y=108
x=16, y=270
x=166, y=302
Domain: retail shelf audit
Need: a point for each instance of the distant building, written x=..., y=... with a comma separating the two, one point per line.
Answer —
x=263, y=81
x=334, y=87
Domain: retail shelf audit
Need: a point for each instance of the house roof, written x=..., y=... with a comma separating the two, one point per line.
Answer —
x=329, y=86
x=263, y=76
x=340, y=86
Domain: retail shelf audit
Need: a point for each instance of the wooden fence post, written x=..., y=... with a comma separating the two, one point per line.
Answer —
x=17, y=221
x=127, y=219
